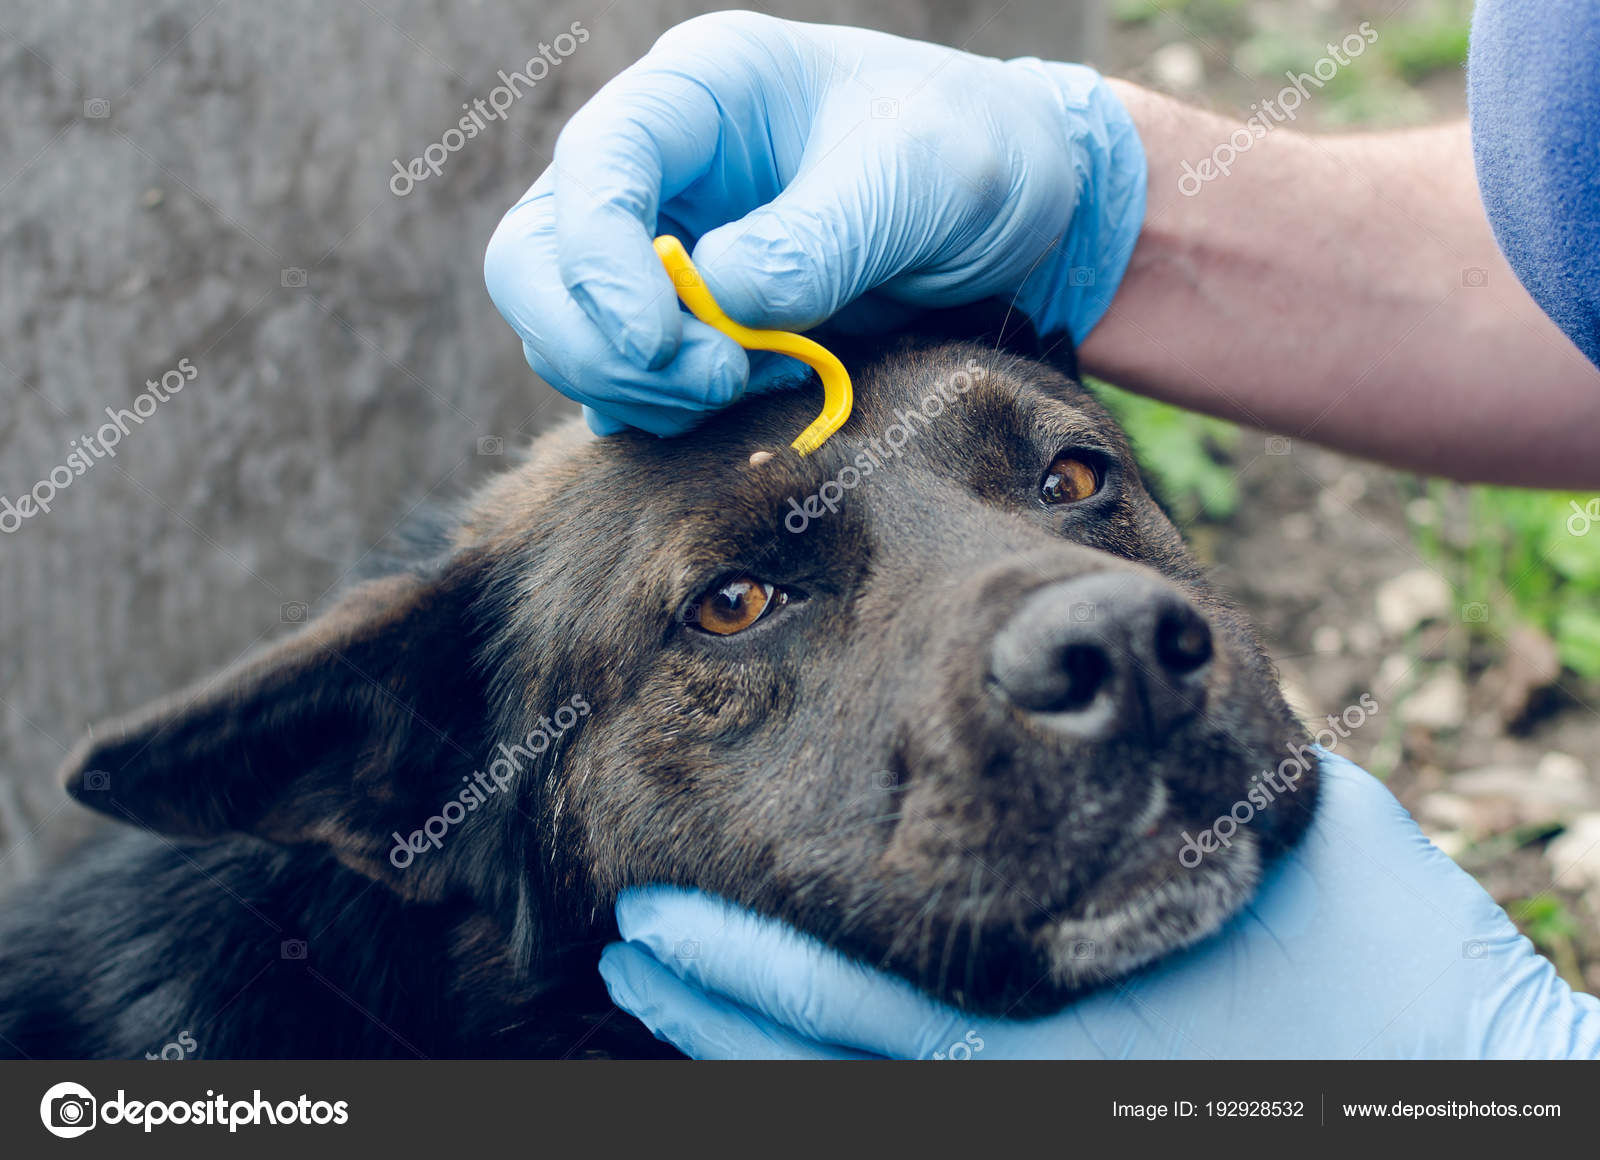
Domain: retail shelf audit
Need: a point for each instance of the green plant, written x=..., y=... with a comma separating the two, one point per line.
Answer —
x=1199, y=17
x=1432, y=40
x=1186, y=453
x=1378, y=86
x=1514, y=554
x=1546, y=920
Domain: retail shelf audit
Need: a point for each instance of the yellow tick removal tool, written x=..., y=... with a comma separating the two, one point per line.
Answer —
x=836, y=396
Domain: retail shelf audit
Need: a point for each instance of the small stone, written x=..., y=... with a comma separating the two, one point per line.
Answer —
x=1532, y=664
x=1439, y=703
x=1350, y=486
x=1364, y=638
x=1453, y=843
x=1574, y=857
x=1491, y=781
x=1423, y=512
x=1298, y=527
x=1511, y=796
x=1339, y=498
x=1448, y=810
x=1394, y=672
x=1178, y=66
x=1327, y=639
x=1557, y=768
x=1410, y=599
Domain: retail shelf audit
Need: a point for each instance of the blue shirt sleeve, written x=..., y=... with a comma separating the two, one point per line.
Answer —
x=1533, y=95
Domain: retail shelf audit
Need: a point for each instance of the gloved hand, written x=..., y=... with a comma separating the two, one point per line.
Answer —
x=807, y=168
x=1366, y=941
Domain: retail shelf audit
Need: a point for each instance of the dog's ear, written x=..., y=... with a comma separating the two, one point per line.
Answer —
x=361, y=724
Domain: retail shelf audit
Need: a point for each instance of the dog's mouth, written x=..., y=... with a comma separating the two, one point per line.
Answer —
x=1047, y=928
x=1147, y=904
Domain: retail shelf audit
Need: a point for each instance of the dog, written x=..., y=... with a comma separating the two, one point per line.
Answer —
x=949, y=694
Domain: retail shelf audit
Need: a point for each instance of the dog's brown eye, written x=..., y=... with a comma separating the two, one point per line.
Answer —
x=1068, y=480
x=734, y=605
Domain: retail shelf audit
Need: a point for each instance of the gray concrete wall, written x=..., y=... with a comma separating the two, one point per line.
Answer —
x=204, y=181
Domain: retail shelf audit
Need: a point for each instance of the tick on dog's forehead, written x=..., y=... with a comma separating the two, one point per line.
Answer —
x=959, y=412
x=953, y=431
x=926, y=421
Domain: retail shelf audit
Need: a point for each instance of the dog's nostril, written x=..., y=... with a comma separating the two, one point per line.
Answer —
x=1134, y=667
x=1183, y=641
x=1086, y=669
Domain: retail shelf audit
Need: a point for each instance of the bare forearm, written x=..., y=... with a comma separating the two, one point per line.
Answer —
x=1346, y=290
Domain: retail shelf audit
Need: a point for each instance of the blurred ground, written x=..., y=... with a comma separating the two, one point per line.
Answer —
x=211, y=181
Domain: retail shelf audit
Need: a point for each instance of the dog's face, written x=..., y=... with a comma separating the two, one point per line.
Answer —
x=949, y=694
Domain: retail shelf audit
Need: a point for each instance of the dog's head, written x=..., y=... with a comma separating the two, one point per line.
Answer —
x=950, y=694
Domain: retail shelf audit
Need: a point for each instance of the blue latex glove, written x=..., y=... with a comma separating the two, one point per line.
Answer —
x=808, y=168
x=1366, y=942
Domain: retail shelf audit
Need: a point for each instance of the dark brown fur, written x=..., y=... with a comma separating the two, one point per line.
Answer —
x=844, y=765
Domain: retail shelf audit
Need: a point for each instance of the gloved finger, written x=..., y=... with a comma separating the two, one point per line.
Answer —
x=563, y=345
x=698, y=1024
x=722, y=97
x=601, y=423
x=708, y=373
x=644, y=132
x=823, y=241
x=785, y=976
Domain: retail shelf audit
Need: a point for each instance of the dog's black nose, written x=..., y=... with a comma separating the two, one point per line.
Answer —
x=1104, y=655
